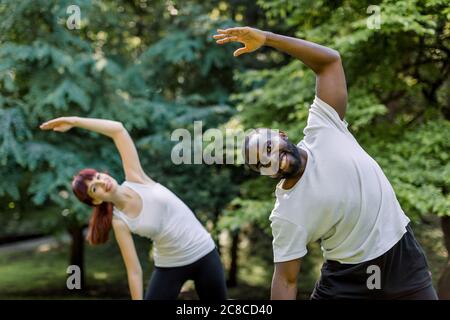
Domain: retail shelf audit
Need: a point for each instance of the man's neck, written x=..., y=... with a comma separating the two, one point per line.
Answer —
x=288, y=183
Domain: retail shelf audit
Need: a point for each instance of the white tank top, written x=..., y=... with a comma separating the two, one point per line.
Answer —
x=179, y=238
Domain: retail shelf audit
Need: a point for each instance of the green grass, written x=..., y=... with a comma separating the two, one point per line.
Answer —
x=42, y=274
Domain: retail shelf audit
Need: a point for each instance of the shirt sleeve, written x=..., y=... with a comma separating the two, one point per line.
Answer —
x=289, y=240
x=321, y=115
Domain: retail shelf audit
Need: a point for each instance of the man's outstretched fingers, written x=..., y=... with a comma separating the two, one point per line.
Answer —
x=219, y=36
x=240, y=51
x=230, y=31
x=226, y=40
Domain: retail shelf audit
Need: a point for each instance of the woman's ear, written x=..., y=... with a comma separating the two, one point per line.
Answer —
x=283, y=134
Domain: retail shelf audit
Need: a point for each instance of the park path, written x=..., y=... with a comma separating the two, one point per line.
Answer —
x=44, y=243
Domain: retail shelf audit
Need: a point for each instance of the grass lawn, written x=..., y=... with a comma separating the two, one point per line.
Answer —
x=41, y=273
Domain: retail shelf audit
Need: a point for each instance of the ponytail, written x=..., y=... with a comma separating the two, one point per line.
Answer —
x=100, y=223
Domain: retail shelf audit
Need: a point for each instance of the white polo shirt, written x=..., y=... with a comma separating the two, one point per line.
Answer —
x=343, y=198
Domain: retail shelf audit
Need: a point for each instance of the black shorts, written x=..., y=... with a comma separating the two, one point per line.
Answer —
x=400, y=273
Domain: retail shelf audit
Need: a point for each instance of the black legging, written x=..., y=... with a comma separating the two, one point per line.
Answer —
x=207, y=273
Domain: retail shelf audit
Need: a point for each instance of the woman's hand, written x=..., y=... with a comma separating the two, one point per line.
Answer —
x=252, y=38
x=62, y=124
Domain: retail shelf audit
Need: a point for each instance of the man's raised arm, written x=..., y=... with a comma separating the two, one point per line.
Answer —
x=325, y=62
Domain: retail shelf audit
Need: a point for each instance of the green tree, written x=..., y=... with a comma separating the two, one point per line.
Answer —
x=150, y=66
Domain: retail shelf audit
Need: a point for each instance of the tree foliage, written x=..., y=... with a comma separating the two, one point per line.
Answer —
x=150, y=66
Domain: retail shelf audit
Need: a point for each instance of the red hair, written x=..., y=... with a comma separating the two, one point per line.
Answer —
x=101, y=219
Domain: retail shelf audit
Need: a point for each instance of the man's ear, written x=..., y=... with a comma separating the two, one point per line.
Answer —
x=283, y=134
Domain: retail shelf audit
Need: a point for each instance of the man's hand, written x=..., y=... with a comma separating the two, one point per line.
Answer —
x=252, y=38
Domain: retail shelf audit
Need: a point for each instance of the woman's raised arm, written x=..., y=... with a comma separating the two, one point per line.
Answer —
x=113, y=129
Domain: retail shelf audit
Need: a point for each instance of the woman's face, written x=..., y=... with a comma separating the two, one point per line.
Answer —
x=101, y=188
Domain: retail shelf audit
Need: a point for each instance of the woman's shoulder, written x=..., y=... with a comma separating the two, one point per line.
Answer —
x=143, y=181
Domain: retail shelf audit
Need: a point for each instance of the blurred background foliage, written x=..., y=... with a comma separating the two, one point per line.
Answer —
x=154, y=66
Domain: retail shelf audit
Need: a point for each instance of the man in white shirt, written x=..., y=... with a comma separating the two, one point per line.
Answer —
x=331, y=191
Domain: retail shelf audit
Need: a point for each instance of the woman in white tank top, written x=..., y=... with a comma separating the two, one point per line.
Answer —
x=183, y=249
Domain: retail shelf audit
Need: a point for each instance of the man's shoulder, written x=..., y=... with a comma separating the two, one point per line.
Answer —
x=326, y=140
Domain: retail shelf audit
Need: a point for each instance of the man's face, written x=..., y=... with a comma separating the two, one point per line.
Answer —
x=270, y=153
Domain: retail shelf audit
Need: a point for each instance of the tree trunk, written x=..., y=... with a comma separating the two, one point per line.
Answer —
x=77, y=251
x=444, y=280
x=232, y=275
x=216, y=236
